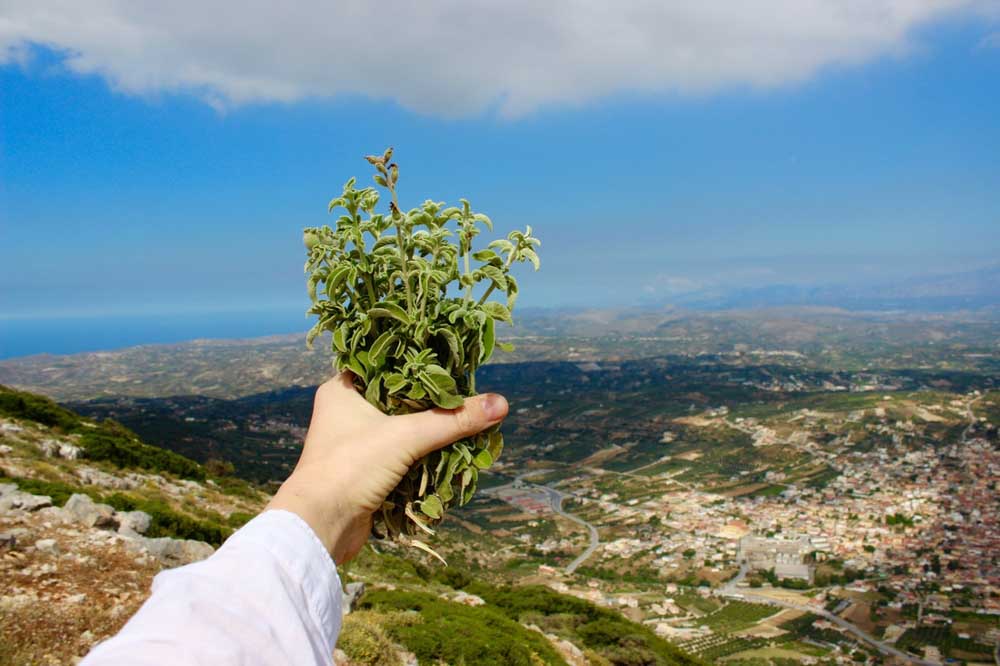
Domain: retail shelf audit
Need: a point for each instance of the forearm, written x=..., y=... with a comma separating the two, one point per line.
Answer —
x=270, y=595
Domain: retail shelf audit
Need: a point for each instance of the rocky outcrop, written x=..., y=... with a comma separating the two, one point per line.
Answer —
x=133, y=522
x=53, y=448
x=171, y=552
x=95, y=477
x=12, y=499
x=85, y=511
x=352, y=596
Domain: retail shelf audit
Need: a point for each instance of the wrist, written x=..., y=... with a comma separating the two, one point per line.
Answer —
x=337, y=527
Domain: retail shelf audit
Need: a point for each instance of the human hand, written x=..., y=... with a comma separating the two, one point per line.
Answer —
x=354, y=455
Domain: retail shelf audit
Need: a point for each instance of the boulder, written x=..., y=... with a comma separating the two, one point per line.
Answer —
x=173, y=552
x=7, y=488
x=54, y=514
x=86, y=512
x=49, y=447
x=47, y=546
x=5, y=450
x=352, y=595
x=136, y=522
x=18, y=500
x=70, y=452
x=7, y=540
x=467, y=599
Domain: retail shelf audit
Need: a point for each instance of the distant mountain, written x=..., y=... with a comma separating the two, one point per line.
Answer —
x=972, y=290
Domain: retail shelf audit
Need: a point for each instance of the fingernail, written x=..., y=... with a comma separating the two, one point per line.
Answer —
x=494, y=406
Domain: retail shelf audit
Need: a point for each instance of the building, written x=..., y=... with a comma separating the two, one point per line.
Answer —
x=787, y=557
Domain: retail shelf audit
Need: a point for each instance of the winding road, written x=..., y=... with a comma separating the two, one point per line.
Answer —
x=732, y=590
x=555, y=498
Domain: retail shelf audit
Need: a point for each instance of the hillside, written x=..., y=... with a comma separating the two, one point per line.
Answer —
x=89, y=514
x=827, y=338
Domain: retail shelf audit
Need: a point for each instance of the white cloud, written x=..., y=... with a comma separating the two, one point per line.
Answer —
x=461, y=57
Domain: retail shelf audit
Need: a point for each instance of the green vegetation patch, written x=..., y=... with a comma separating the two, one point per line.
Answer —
x=944, y=638
x=458, y=634
x=737, y=616
x=604, y=631
x=166, y=521
x=108, y=440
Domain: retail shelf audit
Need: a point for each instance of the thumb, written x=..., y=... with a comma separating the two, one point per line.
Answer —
x=423, y=432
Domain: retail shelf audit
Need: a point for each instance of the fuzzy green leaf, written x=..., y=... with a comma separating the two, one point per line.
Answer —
x=387, y=309
x=497, y=311
x=483, y=459
x=380, y=348
x=432, y=507
x=495, y=444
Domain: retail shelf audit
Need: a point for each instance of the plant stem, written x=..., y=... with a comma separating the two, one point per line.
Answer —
x=401, y=243
x=493, y=286
x=468, y=273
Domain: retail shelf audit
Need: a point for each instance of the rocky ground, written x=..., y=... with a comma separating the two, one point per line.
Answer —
x=71, y=575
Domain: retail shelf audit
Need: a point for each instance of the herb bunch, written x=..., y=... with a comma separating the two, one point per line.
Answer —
x=400, y=300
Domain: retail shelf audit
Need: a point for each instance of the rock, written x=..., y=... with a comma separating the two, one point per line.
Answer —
x=172, y=552
x=340, y=658
x=7, y=540
x=78, y=599
x=10, y=427
x=54, y=514
x=96, y=477
x=70, y=452
x=49, y=447
x=135, y=521
x=23, y=501
x=352, y=595
x=4, y=449
x=47, y=546
x=85, y=511
x=572, y=654
x=467, y=599
x=7, y=489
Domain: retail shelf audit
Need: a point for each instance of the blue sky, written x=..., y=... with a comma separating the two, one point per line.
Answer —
x=130, y=191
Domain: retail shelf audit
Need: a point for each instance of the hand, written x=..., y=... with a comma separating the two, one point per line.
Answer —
x=354, y=455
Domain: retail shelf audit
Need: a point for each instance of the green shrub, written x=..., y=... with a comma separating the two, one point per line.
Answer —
x=22, y=405
x=165, y=521
x=588, y=626
x=109, y=444
x=238, y=519
x=59, y=492
x=364, y=640
x=459, y=634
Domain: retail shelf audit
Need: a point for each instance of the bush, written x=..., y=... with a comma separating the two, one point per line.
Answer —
x=109, y=440
x=364, y=640
x=167, y=522
x=108, y=443
x=22, y=405
x=602, y=630
x=459, y=634
x=59, y=492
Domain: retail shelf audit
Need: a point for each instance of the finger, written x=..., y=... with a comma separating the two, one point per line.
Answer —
x=338, y=396
x=424, y=432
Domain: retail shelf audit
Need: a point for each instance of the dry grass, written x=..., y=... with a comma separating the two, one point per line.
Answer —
x=55, y=607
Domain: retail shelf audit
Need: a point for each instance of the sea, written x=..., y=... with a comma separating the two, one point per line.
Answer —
x=69, y=335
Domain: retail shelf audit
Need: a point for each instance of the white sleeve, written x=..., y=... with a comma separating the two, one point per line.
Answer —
x=269, y=595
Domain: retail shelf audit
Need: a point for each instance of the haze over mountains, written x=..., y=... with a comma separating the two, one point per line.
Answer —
x=921, y=293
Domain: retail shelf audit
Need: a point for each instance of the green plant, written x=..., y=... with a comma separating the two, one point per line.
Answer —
x=364, y=640
x=410, y=317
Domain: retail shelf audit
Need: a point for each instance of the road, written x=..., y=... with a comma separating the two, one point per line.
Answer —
x=556, y=498
x=731, y=589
